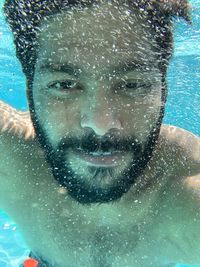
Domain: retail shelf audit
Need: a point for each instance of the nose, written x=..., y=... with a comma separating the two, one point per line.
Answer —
x=100, y=115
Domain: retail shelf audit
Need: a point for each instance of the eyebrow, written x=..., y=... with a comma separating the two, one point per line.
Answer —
x=129, y=66
x=76, y=71
x=61, y=67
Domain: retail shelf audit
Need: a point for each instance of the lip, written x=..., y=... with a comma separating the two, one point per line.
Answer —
x=103, y=159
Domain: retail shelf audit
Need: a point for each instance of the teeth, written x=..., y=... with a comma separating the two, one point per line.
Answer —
x=107, y=153
x=79, y=149
x=100, y=154
x=96, y=154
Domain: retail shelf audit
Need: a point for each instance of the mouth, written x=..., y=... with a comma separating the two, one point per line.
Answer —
x=106, y=159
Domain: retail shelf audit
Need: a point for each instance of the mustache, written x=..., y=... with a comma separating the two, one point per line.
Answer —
x=90, y=142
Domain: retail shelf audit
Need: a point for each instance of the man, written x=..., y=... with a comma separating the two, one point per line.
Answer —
x=97, y=181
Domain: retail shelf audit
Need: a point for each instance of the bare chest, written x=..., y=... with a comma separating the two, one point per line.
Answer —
x=74, y=242
x=67, y=238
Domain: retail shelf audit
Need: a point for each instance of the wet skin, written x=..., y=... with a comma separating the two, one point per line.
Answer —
x=115, y=91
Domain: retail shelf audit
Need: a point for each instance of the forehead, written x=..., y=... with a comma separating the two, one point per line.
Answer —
x=100, y=35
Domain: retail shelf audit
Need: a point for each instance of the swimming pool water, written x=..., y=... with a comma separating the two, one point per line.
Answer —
x=182, y=108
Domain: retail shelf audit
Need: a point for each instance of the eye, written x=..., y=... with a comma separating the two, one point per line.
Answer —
x=65, y=85
x=134, y=87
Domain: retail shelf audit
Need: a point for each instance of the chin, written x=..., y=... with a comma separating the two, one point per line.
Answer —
x=97, y=184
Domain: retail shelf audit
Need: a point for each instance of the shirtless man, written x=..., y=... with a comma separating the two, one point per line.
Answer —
x=91, y=177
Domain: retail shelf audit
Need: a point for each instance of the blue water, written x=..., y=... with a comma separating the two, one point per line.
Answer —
x=183, y=105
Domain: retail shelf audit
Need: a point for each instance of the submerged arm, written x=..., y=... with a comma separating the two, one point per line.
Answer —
x=15, y=122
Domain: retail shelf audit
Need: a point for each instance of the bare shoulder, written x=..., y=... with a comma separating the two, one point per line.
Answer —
x=179, y=136
x=179, y=152
x=15, y=122
x=181, y=148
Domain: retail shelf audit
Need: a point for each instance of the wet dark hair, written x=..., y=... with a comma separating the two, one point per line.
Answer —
x=25, y=16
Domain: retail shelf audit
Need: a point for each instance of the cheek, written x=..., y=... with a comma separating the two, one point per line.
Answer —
x=140, y=117
x=57, y=117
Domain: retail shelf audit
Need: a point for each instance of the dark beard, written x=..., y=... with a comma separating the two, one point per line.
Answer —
x=94, y=190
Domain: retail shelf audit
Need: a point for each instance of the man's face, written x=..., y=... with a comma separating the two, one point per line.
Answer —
x=97, y=99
